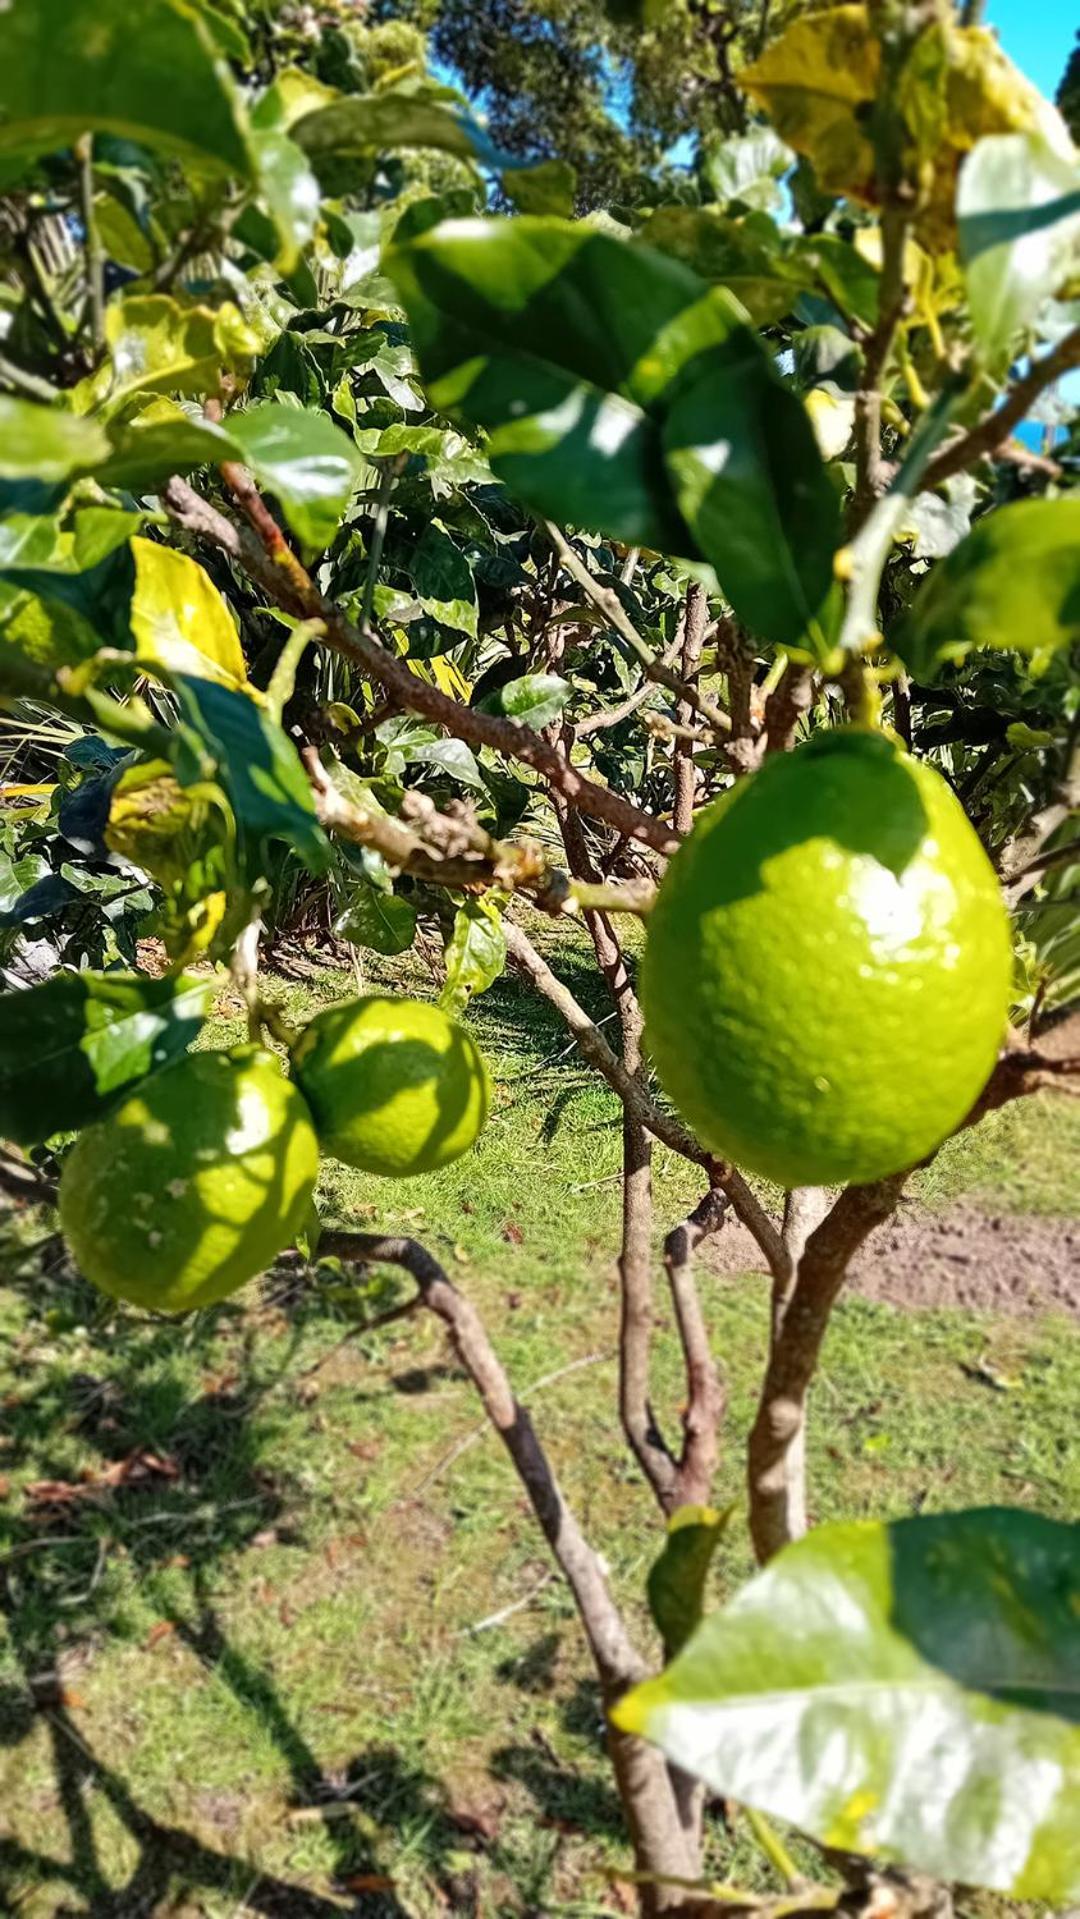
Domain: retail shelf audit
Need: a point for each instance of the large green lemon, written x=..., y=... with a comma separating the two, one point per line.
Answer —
x=193, y=1184
x=395, y=1086
x=827, y=969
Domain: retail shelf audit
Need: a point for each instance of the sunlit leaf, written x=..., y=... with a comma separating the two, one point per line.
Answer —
x=475, y=954
x=303, y=458
x=159, y=345
x=382, y=921
x=1012, y=584
x=1018, y=206
x=534, y=700
x=43, y=442
x=179, y=618
x=290, y=191
x=904, y=1690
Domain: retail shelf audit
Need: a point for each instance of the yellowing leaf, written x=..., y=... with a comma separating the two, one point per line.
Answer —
x=179, y=618
x=819, y=80
x=159, y=345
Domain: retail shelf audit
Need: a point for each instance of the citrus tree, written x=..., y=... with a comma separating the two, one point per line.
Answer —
x=380, y=563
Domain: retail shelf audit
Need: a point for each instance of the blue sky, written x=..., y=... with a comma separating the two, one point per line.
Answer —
x=1038, y=35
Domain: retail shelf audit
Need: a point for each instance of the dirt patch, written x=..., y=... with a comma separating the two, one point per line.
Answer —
x=981, y=1261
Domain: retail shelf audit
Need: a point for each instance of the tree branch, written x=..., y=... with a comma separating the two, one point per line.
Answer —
x=694, y=621
x=610, y=605
x=704, y=1391
x=661, y=1845
x=277, y=570
x=984, y=440
x=661, y=1125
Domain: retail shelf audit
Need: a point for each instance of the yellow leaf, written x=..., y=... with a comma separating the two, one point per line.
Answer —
x=179, y=618
x=819, y=80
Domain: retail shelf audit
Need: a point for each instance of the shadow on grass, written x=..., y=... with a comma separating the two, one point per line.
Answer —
x=179, y=1486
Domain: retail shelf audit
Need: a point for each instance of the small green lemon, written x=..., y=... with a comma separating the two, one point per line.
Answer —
x=193, y=1184
x=395, y=1086
x=828, y=964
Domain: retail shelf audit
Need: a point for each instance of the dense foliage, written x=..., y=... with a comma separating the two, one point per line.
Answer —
x=372, y=555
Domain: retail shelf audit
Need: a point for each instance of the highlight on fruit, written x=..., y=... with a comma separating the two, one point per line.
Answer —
x=395, y=1086
x=828, y=965
x=193, y=1184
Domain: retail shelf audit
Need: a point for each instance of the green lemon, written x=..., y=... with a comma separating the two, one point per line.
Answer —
x=395, y=1086
x=193, y=1184
x=827, y=970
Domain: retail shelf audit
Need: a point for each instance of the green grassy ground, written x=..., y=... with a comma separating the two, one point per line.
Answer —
x=255, y=1669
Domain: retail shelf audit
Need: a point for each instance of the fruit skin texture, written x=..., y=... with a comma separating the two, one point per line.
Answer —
x=193, y=1184
x=395, y=1086
x=828, y=965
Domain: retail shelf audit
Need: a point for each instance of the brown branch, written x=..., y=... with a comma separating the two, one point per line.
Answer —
x=661, y=1125
x=984, y=440
x=705, y=1393
x=789, y=700
x=660, y=1844
x=871, y=475
x=774, y=1517
x=1020, y=862
x=614, y=715
x=610, y=605
x=286, y=583
x=801, y=1316
x=694, y=621
x=455, y=852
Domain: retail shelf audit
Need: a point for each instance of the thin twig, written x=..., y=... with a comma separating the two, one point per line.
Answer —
x=984, y=440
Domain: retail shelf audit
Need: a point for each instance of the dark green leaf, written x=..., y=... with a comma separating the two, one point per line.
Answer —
x=379, y=920
x=564, y=344
x=534, y=699
x=143, y=69
x=475, y=954
x=908, y=1690
x=752, y=485
x=443, y=580
x=303, y=458
x=69, y=1048
x=547, y=187
x=362, y=123
x=676, y=1582
x=256, y=765
x=1013, y=584
x=146, y=451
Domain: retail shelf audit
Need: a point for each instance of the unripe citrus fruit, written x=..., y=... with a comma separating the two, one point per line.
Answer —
x=395, y=1086
x=827, y=969
x=193, y=1184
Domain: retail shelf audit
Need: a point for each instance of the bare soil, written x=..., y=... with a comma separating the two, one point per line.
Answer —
x=963, y=1257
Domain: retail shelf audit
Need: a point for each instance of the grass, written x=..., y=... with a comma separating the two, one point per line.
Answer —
x=260, y=1673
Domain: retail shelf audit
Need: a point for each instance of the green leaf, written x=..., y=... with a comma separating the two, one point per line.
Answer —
x=1012, y=584
x=475, y=953
x=373, y=122
x=159, y=345
x=450, y=756
x=748, y=167
x=906, y=1690
x=43, y=443
x=69, y=1048
x=763, y=272
x=179, y=618
x=146, y=70
x=303, y=458
x=379, y=920
x=550, y=186
x=564, y=345
x=533, y=700
x=676, y=1581
x=256, y=766
x=290, y=192
x=159, y=442
x=752, y=485
x=443, y=580
x=1018, y=208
